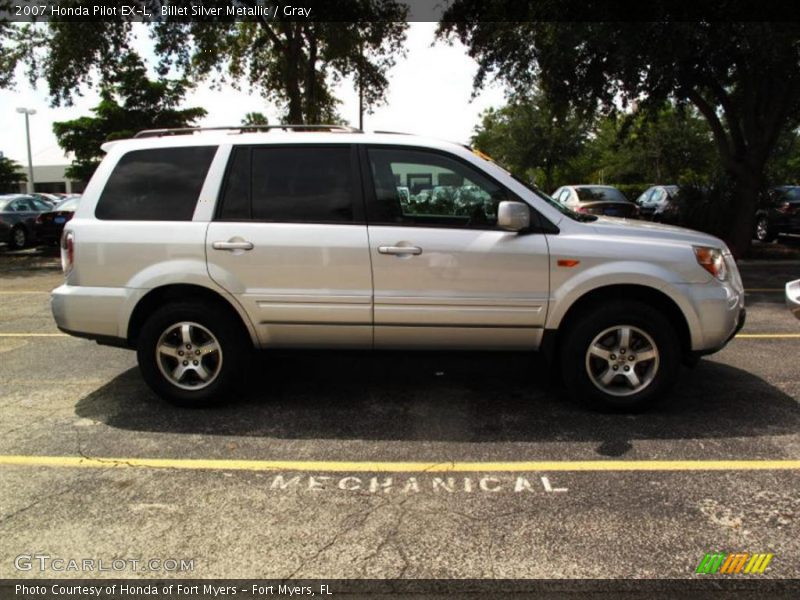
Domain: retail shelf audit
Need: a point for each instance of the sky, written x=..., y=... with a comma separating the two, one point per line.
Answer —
x=429, y=94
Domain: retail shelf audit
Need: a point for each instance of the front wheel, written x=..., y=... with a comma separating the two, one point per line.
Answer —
x=764, y=232
x=620, y=358
x=192, y=354
x=19, y=238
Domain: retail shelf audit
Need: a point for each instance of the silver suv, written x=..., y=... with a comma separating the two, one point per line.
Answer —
x=193, y=247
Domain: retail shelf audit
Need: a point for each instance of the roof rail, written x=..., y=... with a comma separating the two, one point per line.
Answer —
x=146, y=133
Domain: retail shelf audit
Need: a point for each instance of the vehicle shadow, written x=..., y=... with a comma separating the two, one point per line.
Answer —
x=446, y=397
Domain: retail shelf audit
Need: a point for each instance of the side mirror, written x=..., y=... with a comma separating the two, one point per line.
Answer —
x=513, y=216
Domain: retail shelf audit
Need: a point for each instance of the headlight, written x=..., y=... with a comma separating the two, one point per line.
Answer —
x=711, y=260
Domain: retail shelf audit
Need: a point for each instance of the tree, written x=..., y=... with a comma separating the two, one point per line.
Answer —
x=743, y=77
x=9, y=50
x=784, y=167
x=10, y=175
x=255, y=118
x=667, y=146
x=292, y=63
x=129, y=103
x=531, y=138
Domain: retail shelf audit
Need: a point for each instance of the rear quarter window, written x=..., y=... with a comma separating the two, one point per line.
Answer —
x=158, y=184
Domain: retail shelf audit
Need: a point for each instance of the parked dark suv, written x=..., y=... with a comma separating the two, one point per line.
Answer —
x=779, y=213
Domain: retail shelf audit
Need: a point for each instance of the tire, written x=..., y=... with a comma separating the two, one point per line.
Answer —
x=763, y=231
x=650, y=334
x=18, y=238
x=210, y=377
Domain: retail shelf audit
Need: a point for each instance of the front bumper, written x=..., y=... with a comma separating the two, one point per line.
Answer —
x=793, y=297
x=739, y=324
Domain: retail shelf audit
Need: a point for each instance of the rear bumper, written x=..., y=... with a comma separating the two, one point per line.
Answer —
x=89, y=312
x=49, y=233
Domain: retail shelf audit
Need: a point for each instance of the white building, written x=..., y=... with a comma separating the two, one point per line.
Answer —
x=50, y=179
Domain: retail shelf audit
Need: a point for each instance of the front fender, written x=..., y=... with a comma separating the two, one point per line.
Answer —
x=569, y=290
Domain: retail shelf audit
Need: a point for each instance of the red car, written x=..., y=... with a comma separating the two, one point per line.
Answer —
x=596, y=200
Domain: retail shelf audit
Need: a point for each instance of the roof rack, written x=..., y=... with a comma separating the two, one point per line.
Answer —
x=146, y=133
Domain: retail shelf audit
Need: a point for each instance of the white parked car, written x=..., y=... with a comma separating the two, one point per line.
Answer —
x=793, y=297
x=194, y=247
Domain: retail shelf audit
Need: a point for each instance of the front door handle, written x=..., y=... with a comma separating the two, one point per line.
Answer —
x=400, y=250
x=232, y=245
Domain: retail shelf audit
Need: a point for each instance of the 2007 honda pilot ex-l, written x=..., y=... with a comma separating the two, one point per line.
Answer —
x=194, y=247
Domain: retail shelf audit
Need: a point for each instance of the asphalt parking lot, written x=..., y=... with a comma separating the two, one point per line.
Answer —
x=394, y=465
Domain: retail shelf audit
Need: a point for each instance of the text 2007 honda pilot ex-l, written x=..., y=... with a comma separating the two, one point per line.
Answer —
x=193, y=247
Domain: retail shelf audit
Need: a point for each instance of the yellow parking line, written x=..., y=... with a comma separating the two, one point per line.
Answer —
x=768, y=335
x=399, y=467
x=33, y=335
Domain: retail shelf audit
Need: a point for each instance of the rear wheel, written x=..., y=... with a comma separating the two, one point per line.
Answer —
x=620, y=358
x=192, y=354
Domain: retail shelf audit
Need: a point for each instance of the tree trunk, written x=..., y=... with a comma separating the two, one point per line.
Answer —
x=293, y=66
x=311, y=96
x=749, y=184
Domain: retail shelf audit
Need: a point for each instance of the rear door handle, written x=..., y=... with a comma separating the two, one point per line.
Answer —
x=231, y=245
x=400, y=250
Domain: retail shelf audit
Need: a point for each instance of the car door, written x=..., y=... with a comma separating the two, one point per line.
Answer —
x=444, y=274
x=289, y=241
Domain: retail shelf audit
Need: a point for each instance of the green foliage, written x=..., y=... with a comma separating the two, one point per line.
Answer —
x=784, y=165
x=10, y=175
x=292, y=63
x=531, y=138
x=130, y=102
x=255, y=118
x=742, y=76
x=10, y=50
x=671, y=145
x=668, y=146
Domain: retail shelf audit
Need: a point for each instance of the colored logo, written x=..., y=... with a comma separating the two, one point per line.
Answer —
x=733, y=563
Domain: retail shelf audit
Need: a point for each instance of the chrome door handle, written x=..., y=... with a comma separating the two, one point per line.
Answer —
x=400, y=250
x=232, y=245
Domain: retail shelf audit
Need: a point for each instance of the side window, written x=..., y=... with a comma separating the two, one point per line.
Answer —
x=302, y=184
x=16, y=206
x=289, y=184
x=417, y=187
x=236, y=197
x=41, y=205
x=158, y=184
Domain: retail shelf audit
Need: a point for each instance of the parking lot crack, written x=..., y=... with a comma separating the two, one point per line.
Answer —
x=39, y=500
x=353, y=521
x=391, y=539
